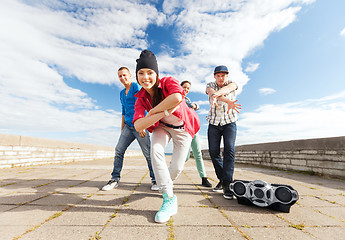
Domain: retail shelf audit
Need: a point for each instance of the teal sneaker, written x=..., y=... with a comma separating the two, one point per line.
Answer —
x=168, y=209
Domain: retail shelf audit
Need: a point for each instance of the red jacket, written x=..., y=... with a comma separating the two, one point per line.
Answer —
x=169, y=85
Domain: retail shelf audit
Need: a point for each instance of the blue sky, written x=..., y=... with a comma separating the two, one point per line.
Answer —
x=59, y=60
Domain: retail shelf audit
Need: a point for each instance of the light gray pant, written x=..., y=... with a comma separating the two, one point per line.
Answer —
x=160, y=137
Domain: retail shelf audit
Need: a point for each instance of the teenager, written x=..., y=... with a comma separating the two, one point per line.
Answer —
x=128, y=132
x=222, y=119
x=196, y=147
x=168, y=117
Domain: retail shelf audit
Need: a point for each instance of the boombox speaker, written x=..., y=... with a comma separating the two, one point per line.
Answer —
x=260, y=193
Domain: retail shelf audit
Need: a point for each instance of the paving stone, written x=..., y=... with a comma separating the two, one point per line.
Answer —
x=9, y=182
x=314, y=202
x=127, y=212
x=96, y=183
x=146, y=201
x=253, y=216
x=337, y=199
x=133, y=217
x=206, y=232
x=192, y=198
x=145, y=187
x=159, y=231
x=59, y=199
x=328, y=233
x=217, y=199
x=27, y=215
x=20, y=198
x=336, y=212
x=83, y=216
x=195, y=216
x=281, y=233
x=110, y=200
x=309, y=217
x=308, y=189
x=9, y=232
x=4, y=208
x=19, y=189
x=78, y=190
x=65, y=233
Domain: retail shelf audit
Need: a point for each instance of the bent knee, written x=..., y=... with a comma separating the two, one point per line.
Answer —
x=175, y=173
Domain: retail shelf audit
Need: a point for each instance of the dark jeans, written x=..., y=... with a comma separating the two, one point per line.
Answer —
x=128, y=135
x=224, y=168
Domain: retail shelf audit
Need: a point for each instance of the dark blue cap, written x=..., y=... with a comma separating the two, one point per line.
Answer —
x=221, y=69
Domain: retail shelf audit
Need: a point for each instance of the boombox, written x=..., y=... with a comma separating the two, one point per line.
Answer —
x=260, y=193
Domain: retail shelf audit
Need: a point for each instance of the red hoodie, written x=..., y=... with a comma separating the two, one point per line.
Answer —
x=169, y=85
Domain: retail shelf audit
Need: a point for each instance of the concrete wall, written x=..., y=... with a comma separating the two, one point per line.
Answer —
x=22, y=151
x=322, y=156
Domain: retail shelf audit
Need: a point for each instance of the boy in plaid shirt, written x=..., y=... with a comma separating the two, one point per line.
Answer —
x=222, y=119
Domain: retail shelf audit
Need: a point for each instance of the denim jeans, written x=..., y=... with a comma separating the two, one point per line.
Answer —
x=224, y=169
x=128, y=135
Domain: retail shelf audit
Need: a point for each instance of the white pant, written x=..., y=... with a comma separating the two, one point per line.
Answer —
x=161, y=136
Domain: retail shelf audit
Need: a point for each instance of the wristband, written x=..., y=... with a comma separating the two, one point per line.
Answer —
x=166, y=112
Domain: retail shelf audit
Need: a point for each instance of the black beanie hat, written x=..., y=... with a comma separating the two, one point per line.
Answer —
x=147, y=60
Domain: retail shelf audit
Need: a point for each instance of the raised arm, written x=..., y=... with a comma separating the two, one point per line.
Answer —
x=158, y=112
x=147, y=121
x=219, y=95
x=223, y=91
x=169, y=102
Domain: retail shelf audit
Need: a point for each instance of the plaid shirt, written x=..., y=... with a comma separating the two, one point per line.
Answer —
x=218, y=115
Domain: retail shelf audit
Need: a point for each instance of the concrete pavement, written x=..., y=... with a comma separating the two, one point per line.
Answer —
x=63, y=201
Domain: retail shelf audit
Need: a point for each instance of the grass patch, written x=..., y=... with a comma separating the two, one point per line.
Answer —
x=55, y=216
x=300, y=226
x=8, y=184
x=125, y=200
x=170, y=224
x=96, y=237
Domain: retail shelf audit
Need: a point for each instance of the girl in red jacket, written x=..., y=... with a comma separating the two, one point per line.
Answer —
x=168, y=117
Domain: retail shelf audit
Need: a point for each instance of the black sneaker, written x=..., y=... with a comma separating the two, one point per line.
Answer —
x=110, y=185
x=227, y=194
x=219, y=187
x=205, y=182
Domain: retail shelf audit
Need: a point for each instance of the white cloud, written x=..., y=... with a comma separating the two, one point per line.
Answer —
x=251, y=67
x=202, y=102
x=22, y=113
x=266, y=91
x=41, y=42
x=221, y=32
x=342, y=33
x=86, y=44
x=313, y=118
x=203, y=111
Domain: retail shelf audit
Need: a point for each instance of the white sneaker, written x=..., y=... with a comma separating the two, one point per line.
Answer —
x=154, y=186
x=110, y=185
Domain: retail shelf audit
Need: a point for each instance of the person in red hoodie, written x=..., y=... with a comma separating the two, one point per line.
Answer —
x=168, y=117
